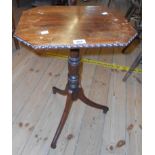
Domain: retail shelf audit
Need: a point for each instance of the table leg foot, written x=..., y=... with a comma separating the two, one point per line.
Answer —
x=57, y=90
x=87, y=101
x=53, y=146
x=105, y=109
x=69, y=102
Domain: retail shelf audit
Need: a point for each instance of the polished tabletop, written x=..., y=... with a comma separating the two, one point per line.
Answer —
x=51, y=27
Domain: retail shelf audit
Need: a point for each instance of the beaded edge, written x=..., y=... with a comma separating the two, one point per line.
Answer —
x=39, y=47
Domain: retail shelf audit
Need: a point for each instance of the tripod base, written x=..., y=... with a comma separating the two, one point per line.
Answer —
x=72, y=96
x=73, y=91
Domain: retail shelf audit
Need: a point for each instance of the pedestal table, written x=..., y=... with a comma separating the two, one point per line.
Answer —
x=73, y=27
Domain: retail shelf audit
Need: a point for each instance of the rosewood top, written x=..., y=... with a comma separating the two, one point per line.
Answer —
x=73, y=27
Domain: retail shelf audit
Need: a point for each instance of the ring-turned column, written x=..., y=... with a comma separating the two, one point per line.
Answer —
x=74, y=69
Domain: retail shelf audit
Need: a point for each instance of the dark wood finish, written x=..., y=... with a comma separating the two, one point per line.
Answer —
x=36, y=3
x=69, y=102
x=73, y=91
x=109, y=2
x=137, y=61
x=87, y=101
x=47, y=27
x=13, y=31
x=57, y=27
x=126, y=47
x=18, y=3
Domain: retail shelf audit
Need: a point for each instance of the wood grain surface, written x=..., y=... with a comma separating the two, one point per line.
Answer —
x=58, y=26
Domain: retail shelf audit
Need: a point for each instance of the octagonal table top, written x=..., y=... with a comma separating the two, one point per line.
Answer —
x=51, y=27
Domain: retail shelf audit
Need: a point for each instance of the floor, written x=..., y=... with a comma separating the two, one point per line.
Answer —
x=36, y=111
